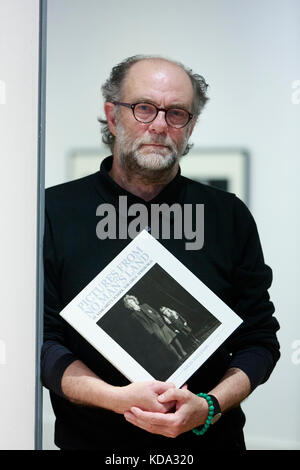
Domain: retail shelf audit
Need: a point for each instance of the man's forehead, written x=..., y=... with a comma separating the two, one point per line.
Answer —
x=160, y=75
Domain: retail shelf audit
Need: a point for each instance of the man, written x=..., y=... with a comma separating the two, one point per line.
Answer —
x=151, y=107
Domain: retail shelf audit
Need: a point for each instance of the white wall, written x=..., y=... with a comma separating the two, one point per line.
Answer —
x=19, y=34
x=249, y=54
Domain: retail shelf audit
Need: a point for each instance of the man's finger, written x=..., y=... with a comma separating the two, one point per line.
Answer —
x=163, y=386
x=158, y=419
x=155, y=423
x=171, y=395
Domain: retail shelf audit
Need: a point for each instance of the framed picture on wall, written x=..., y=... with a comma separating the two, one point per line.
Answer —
x=83, y=162
x=226, y=169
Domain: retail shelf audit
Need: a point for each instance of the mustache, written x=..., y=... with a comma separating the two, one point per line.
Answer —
x=158, y=140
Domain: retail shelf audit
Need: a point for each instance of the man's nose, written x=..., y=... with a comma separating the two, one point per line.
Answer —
x=159, y=124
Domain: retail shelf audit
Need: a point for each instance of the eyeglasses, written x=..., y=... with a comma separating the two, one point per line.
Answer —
x=147, y=112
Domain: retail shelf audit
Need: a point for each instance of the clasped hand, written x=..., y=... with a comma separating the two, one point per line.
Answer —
x=174, y=411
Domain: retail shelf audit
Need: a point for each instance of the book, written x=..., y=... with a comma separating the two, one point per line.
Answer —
x=150, y=316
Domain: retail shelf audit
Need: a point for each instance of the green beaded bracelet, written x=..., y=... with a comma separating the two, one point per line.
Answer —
x=211, y=409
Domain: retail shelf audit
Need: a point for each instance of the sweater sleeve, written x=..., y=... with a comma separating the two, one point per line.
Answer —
x=256, y=361
x=55, y=356
x=254, y=345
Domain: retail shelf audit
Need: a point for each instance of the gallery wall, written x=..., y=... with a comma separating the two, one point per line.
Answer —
x=248, y=52
x=19, y=70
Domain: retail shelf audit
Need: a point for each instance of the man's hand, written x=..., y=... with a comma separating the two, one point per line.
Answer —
x=191, y=411
x=81, y=386
x=143, y=395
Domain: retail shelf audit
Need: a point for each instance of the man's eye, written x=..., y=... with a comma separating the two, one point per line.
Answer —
x=177, y=112
x=145, y=108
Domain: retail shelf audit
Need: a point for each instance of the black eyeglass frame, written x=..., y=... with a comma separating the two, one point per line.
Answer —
x=133, y=105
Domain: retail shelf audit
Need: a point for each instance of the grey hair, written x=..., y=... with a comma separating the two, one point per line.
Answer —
x=112, y=91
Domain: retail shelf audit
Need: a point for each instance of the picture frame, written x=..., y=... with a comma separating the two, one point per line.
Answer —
x=225, y=168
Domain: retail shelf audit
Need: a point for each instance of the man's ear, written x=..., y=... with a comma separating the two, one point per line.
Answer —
x=109, y=109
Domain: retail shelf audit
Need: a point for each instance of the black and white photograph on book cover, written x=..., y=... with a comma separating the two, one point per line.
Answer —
x=158, y=323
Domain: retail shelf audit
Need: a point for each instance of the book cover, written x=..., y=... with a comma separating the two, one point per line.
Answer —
x=150, y=316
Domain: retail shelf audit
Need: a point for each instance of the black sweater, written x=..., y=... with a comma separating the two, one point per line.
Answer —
x=230, y=263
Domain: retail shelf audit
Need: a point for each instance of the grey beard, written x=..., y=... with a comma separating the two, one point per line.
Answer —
x=150, y=168
x=135, y=164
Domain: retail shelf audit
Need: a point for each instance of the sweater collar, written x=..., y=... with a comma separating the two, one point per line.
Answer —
x=110, y=190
